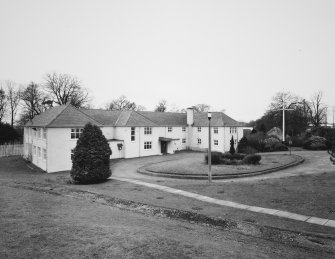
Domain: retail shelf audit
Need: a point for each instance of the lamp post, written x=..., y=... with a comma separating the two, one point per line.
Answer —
x=209, y=148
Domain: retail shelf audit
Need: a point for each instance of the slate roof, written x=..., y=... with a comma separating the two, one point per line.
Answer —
x=68, y=116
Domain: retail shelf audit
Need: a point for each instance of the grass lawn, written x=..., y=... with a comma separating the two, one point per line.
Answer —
x=43, y=216
x=196, y=165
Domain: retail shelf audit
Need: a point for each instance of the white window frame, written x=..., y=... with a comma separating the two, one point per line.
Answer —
x=76, y=133
x=44, y=154
x=132, y=134
x=216, y=130
x=183, y=129
x=183, y=141
x=39, y=152
x=147, y=131
x=169, y=129
x=199, y=129
x=34, y=151
x=232, y=130
x=147, y=145
x=199, y=141
x=39, y=133
x=216, y=142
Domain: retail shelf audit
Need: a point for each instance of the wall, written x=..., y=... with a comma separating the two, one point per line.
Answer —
x=223, y=136
x=136, y=148
x=33, y=139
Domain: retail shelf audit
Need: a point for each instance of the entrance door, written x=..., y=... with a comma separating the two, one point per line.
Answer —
x=163, y=147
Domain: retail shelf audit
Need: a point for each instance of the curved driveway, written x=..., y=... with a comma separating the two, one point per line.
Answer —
x=316, y=162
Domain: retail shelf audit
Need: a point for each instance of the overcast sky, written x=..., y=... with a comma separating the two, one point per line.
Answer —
x=234, y=55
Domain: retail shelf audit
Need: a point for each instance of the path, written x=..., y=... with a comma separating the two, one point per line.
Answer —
x=314, y=164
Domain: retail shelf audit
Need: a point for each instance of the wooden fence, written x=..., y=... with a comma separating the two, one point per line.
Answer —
x=11, y=150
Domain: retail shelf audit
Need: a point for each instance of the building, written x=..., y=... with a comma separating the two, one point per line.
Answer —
x=51, y=136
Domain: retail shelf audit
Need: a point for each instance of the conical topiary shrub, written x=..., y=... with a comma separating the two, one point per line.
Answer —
x=232, y=148
x=90, y=160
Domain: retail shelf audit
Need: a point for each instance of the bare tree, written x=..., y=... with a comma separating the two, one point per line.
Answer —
x=32, y=98
x=3, y=103
x=14, y=98
x=201, y=107
x=64, y=89
x=123, y=104
x=161, y=106
x=317, y=110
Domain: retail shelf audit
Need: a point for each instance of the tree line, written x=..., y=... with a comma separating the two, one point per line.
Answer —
x=301, y=113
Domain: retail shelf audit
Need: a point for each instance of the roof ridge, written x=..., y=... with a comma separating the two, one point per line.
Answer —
x=85, y=114
x=145, y=117
x=118, y=117
x=56, y=116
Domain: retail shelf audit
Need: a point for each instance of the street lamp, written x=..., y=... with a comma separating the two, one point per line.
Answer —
x=209, y=148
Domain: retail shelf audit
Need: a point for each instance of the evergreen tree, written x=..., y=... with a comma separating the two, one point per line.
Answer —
x=90, y=161
x=242, y=145
x=232, y=148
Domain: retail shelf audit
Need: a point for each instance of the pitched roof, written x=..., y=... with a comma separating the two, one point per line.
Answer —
x=68, y=116
x=219, y=119
x=62, y=116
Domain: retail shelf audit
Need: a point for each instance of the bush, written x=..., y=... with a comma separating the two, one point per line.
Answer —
x=270, y=142
x=90, y=160
x=256, y=141
x=280, y=147
x=231, y=162
x=237, y=156
x=215, y=158
x=242, y=145
x=232, y=148
x=252, y=159
x=8, y=134
x=250, y=150
x=316, y=143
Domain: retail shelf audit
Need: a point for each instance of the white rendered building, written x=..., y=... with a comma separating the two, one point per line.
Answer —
x=50, y=137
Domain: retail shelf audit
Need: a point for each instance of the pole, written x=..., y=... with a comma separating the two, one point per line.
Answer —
x=283, y=121
x=209, y=152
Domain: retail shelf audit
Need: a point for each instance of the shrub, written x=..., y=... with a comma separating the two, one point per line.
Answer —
x=250, y=150
x=316, y=143
x=237, y=156
x=215, y=158
x=227, y=155
x=252, y=159
x=256, y=141
x=90, y=161
x=232, y=148
x=280, y=147
x=242, y=145
x=231, y=162
x=270, y=142
x=8, y=134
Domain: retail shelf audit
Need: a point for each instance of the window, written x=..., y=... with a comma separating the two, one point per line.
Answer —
x=235, y=141
x=183, y=129
x=76, y=133
x=44, y=133
x=233, y=130
x=216, y=142
x=34, y=150
x=132, y=134
x=169, y=129
x=147, y=131
x=199, y=129
x=216, y=130
x=39, y=152
x=183, y=140
x=199, y=141
x=44, y=154
x=39, y=133
x=147, y=145
x=34, y=134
